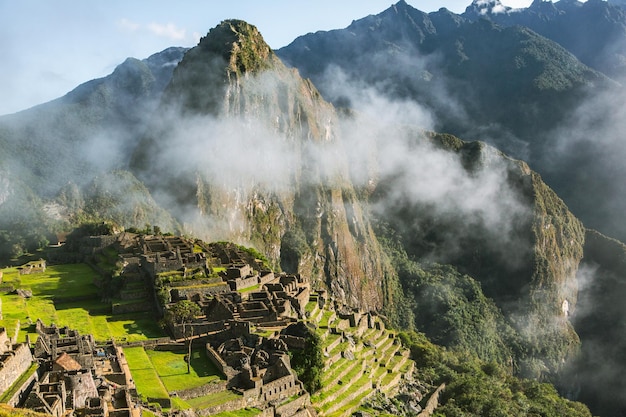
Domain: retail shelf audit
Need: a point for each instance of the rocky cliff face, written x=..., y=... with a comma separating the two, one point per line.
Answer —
x=254, y=154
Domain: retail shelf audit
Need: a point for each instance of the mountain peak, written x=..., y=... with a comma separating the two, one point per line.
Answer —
x=239, y=43
x=229, y=51
x=486, y=7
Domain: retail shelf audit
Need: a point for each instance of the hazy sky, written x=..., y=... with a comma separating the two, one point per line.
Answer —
x=50, y=47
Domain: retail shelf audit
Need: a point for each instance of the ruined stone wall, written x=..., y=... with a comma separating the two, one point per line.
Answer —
x=241, y=283
x=22, y=393
x=233, y=405
x=276, y=323
x=301, y=299
x=14, y=364
x=217, y=360
x=266, y=276
x=238, y=271
x=118, y=308
x=293, y=407
x=294, y=342
x=189, y=292
x=279, y=388
x=198, y=328
x=218, y=311
x=5, y=343
x=134, y=294
x=89, y=245
x=202, y=390
x=163, y=402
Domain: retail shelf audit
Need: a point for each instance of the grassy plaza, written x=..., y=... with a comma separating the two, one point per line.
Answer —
x=67, y=296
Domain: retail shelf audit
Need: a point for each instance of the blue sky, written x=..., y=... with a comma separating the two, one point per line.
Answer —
x=47, y=47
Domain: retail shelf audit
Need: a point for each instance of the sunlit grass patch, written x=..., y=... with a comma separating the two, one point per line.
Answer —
x=145, y=376
x=172, y=369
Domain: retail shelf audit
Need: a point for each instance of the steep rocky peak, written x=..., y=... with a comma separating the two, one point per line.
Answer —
x=546, y=7
x=229, y=52
x=568, y=4
x=480, y=8
x=240, y=44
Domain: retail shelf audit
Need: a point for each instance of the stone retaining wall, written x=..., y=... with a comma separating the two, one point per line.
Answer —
x=201, y=391
x=232, y=405
x=432, y=403
x=291, y=408
x=20, y=395
x=14, y=364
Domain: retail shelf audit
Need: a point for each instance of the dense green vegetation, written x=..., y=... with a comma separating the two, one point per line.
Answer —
x=450, y=308
x=24, y=227
x=308, y=363
x=484, y=388
x=598, y=319
x=7, y=411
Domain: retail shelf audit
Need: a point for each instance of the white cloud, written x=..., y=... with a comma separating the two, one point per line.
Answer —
x=128, y=25
x=168, y=30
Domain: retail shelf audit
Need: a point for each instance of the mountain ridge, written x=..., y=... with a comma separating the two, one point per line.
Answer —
x=240, y=147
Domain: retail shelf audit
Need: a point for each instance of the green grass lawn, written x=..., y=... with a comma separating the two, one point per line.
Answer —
x=172, y=369
x=52, y=302
x=213, y=399
x=156, y=373
x=145, y=376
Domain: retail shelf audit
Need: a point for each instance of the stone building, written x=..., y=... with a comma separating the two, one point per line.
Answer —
x=77, y=376
x=260, y=370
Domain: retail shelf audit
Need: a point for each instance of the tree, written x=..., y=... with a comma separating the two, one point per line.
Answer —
x=183, y=312
x=308, y=363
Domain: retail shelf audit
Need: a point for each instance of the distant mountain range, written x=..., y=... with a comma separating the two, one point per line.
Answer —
x=488, y=74
x=454, y=238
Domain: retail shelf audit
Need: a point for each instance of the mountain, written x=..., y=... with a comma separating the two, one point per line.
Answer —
x=75, y=128
x=503, y=84
x=56, y=150
x=449, y=237
x=243, y=138
x=601, y=44
x=596, y=376
x=465, y=72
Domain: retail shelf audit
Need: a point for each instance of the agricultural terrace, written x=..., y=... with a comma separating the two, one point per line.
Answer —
x=66, y=295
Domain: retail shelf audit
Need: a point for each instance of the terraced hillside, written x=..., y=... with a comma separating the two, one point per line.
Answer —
x=362, y=357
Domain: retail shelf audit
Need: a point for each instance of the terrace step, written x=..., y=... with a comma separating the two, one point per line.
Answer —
x=382, y=340
x=337, y=340
x=387, y=351
x=340, y=369
x=348, y=405
x=390, y=383
x=344, y=387
x=404, y=359
x=341, y=375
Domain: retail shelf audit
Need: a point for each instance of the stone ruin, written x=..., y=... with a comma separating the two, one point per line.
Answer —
x=259, y=369
x=77, y=375
x=15, y=359
x=32, y=267
x=276, y=305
